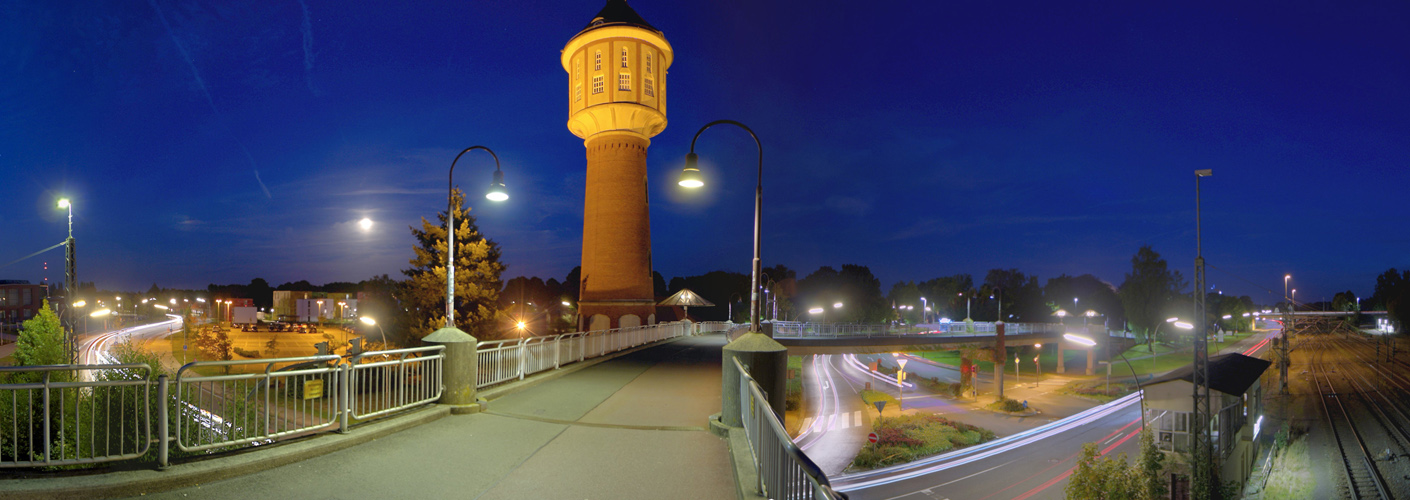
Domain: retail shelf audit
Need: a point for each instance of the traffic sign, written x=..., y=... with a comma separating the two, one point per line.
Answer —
x=880, y=405
x=871, y=437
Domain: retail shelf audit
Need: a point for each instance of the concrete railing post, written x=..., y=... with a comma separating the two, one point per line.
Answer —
x=459, y=369
x=767, y=362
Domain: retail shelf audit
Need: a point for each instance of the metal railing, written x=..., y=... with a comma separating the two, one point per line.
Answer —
x=794, y=329
x=74, y=414
x=513, y=359
x=383, y=382
x=227, y=410
x=83, y=414
x=784, y=471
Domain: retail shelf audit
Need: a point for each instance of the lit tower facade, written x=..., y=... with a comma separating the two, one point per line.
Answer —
x=616, y=103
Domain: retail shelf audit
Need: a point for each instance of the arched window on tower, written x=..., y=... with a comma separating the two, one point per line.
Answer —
x=648, y=63
x=597, y=61
x=578, y=81
x=624, y=57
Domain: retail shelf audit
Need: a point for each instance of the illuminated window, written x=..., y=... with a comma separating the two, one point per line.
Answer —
x=624, y=57
x=624, y=81
x=597, y=84
x=597, y=61
x=648, y=89
x=577, y=92
x=648, y=64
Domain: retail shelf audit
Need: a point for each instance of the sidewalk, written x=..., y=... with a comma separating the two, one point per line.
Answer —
x=632, y=427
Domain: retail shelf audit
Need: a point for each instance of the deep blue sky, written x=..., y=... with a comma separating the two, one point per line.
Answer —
x=918, y=138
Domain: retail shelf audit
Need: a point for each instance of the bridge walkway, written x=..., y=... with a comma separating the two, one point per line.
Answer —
x=632, y=427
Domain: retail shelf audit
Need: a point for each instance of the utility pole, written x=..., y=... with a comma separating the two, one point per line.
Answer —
x=1203, y=465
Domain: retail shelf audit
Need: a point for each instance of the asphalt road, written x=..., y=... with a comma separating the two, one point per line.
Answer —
x=838, y=421
x=1032, y=464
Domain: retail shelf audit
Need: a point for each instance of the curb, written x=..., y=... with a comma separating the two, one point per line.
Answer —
x=236, y=464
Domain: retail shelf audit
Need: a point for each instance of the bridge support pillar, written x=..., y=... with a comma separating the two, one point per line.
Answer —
x=1062, y=368
x=767, y=362
x=459, y=368
x=1091, y=359
x=1000, y=356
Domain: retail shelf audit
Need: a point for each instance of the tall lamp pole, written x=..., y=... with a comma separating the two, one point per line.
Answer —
x=496, y=193
x=690, y=178
x=1204, y=457
x=70, y=281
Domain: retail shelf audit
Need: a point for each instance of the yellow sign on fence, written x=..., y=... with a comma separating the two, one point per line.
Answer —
x=313, y=389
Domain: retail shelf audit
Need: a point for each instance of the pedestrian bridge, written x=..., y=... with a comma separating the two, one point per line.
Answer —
x=835, y=338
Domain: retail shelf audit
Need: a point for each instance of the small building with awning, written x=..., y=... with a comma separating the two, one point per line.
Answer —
x=1236, y=401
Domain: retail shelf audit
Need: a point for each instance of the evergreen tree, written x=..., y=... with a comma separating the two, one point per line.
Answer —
x=477, y=276
x=41, y=340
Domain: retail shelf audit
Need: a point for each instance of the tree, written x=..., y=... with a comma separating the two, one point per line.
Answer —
x=1150, y=469
x=854, y=286
x=215, y=344
x=1022, y=298
x=1393, y=294
x=1092, y=293
x=1148, y=290
x=41, y=341
x=271, y=348
x=1101, y=478
x=902, y=294
x=477, y=276
x=782, y=284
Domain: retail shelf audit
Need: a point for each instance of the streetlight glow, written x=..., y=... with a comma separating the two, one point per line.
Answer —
x=80, y=303
x=367, y=320
x=815, y=310
x=64, y=203
x=837, y=305
x=1183, y=325
x=1079, y=339
x=100, y=313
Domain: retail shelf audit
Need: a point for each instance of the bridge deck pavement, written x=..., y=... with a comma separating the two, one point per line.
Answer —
x=632, y=427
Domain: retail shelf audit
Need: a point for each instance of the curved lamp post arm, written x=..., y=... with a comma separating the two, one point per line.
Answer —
x=450, y=227
x=754, y=310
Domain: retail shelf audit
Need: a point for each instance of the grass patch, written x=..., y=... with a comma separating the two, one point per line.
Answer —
x=907, y=438
x=872, y=396
x=1097, y=389
x=1291, y=475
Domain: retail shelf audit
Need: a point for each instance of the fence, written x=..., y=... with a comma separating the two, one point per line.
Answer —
x=506, y=360
x=83, y=414
x=794, y=329
x=228, y=410
x=784, y=471
x=383, y=382
x=74, y=414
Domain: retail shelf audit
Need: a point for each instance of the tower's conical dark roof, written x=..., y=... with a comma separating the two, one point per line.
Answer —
x=617, y=12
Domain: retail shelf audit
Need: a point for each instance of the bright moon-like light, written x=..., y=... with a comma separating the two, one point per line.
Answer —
x=365, y=224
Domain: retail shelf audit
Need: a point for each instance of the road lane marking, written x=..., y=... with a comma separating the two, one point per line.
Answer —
x=807, y=422
x=1113, y=438
x=857, y=415
x=927, y=490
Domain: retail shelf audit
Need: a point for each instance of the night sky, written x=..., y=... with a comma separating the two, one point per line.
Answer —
x=207, y=142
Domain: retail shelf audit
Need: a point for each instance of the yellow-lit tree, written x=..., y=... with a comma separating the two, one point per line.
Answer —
x=477, y=276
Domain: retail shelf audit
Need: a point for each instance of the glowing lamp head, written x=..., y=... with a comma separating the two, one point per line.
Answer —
x=80, y=303
x=497, y=192
x=520, y=325
x=367, y=320
x=690, y=175
x=64, y=203
x=1183, y=325
x=815, y=310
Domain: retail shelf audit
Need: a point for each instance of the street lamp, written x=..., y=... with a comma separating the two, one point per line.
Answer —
x=1204, y=460
x=690, y=178
x=925, y=308
x=496, y=193
x=368, y=320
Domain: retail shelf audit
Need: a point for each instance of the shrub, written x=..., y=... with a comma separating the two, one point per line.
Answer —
x=1006, y=405
x=245, y=353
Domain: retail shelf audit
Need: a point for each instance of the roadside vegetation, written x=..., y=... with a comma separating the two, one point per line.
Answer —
x=793, y=391
x=1098, y=389
x=907, y=438
x=1291, y=471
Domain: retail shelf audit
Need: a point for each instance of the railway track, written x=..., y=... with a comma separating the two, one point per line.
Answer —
x=1362, y=477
